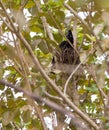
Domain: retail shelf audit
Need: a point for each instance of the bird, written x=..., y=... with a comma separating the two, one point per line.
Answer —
x=67, y=53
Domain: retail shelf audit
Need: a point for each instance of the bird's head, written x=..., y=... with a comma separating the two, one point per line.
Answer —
x=69, y=36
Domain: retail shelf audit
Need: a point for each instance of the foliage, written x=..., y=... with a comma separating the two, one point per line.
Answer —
x=43, y=25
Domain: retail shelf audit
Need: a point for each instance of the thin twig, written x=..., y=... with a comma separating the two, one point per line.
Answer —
x=52, y=97
x=7, y=15
x=25, y=70
x=75, y=33
x=85, y=24
x=76, y=15
x=24, y=4
x=99, y=88
x=69, y=78
x=44, y=21
x=60, y=31
x=6, y=23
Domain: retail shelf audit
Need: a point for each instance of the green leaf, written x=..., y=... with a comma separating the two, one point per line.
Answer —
x=17, y=1
x=59, y=15
x=43, y=47
x=7, y=117
x=30, y=4
x=92, y=89
x=107, y=127
x=26, y=116
x=2, y=87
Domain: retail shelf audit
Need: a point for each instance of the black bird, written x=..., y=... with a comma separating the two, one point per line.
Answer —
x=67, y=54
x=66, y=44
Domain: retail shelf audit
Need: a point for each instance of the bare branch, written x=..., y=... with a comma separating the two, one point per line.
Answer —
x=75, y=33
x=95, y=79
x=76, y=15
x=60, y=31
x=7, y=15
x=52, y=97
x=44, y=21
x=85, y=23
x=24, y=4
x=69, y=78
x=6, y=24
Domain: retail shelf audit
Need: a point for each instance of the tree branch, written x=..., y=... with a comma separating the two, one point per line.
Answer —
x=44, y=21
x=69, y=78
x=76, y=15
x=53, y=105
x=85, y=23
x=55, y=87
x=52, y=97
x=6, y=24
x=45, y=76
x=10, y=20
x=71, y=75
